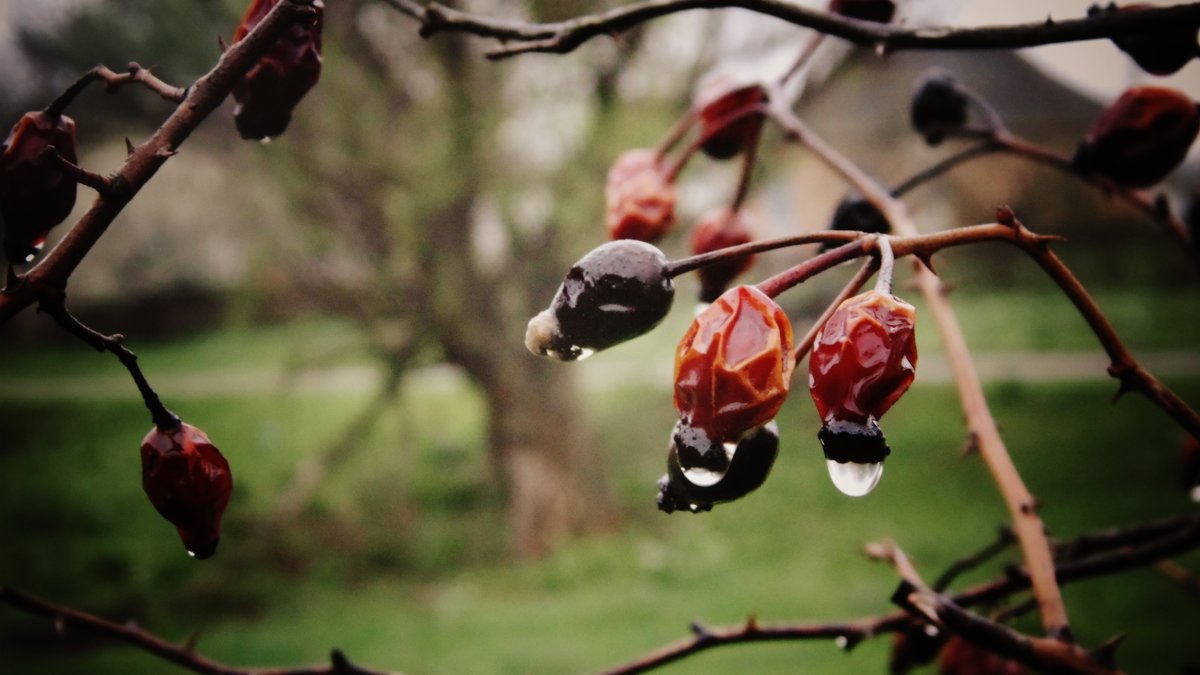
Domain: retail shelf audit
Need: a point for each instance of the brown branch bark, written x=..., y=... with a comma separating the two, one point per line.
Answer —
x=203, y=97
x=518, y=37
x=182, y=655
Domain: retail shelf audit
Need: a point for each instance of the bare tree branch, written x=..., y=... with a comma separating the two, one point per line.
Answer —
x=518, y=37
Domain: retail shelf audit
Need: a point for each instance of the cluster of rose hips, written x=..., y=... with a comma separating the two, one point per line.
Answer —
x=734, y=365
x=185, y=476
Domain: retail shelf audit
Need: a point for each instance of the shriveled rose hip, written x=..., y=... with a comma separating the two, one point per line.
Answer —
x=35, y=193
x=276, y=84
x=189, y=483
x=1143, y=136
x=728, y=121
x=639, y=197
x=720, y=228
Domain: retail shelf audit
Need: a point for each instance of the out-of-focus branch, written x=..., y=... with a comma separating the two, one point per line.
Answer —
x=182, y=655
x=202, y=98
x=134, y=74
x=518, y=37
x=1022, y=506
x=1003, y=540
x=1113, y=553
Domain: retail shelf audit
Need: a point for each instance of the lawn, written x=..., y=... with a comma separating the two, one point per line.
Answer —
x=398, y=560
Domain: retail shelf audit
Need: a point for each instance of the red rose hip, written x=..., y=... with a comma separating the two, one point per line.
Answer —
x=639, y=197
x=729, y=119
x=189, y=483
x=863, y=359
x=718, y=229
x=35, y=193
x=276, y=84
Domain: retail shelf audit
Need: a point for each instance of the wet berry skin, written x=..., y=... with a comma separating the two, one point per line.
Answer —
x=862, y=361
x=188, y=481
x=879, y=11
x=718, y=229
x=1141, y=138
x=1159, y=52
x=35, y=193
x=274, y=86
x=725, y=130
x=618, y=291
x=639, y=197
x=733, y=368
x=938, y=106
x=747, y=470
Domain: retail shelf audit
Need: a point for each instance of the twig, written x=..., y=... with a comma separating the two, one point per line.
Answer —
x=56, y=308
x=182, y=655
x=101, y=184
x=1022, y=507
x=51, y=274
x=518, y=37
x=134, y=74
x=1004, y=539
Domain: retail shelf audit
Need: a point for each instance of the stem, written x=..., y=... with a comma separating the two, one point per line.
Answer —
x=101, y=184
x=887, y=264
x=164, y=419
x=814, y=40
x=676, y=133
x=719, y=126
x=945, y=165
x=1003, y=541
x=685, y=265
x=749, y=155
x=114, y=81
x=789, y=278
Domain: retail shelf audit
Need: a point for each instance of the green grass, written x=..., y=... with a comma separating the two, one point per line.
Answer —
x=398, y=561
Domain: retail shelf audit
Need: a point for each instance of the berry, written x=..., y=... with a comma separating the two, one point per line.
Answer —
x=188, y=482
x=726, y=126
x=879, y=11
x=732, y=372
x=863, y=359
x=718, y=229
x=1158, y=52
x=274, y=86
x=914, y=647
x=617, y=292
x=1141, y=137
x=35, y=193
x=640, y=197
x=747, y=468
x=855, y=214
x=960, y=657
x=938, y=106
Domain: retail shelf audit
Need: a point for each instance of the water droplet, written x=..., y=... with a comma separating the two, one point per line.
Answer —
x=854, y=479
x=931, y=630
x=703, y=477
x=191, y=553
x=1195, y=494
x=264, y=140
x=584, y=352
x=841, y=641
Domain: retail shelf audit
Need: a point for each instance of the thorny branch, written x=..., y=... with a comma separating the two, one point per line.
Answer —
x=518, y=37
x=113, y=81
x=200, y=99
x=1156, y=542
x=183, y=655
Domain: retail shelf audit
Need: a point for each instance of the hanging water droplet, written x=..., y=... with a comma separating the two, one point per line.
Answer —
x=264, y=140
x=584, y=352
x=841, y=641
x=191, y=553
x=931, y=630
x=854, y=479
x=702, y=476
x=1195, y=494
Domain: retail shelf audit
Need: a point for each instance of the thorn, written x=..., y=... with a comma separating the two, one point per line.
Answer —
x=128, y=146
x=134, y=67
x=221, y=43
x=1106, y=652
x=699, y=630
x=926, y=260
x=970, y=446
x=751, y=624
x=189, y=645
x=164, y=153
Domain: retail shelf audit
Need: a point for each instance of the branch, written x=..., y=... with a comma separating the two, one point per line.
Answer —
x=565, y=36
x=1022, y=507
x=181, y=655
x=967, y=563
x=1157, y=541
x=134, y=74
x=101, y=184
x=202, y=98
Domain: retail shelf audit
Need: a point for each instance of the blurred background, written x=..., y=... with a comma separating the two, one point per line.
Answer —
x=342, y=310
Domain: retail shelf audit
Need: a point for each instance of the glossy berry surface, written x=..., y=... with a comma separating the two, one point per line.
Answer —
x=35, y=193
x=733, y=367
x=1159, y=52
x=863, y=358
x=276, y=84
x=746, y=470
x=1143, y=136
x=728, y=121
x=639, y=197
x=960, y=657
x=938, y=106
x=616, y=292
x=718, y=229
x=189, y=483
x=879, y=11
